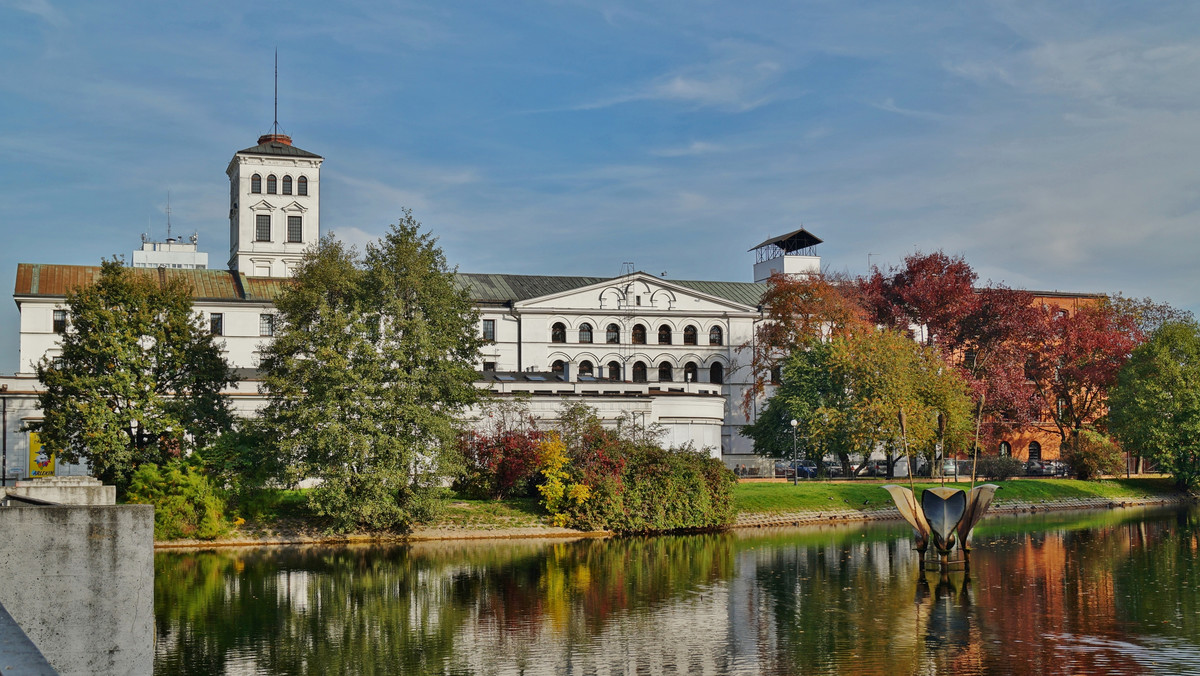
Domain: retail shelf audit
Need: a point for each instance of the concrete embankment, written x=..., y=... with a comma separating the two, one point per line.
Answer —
x=746, y=520
x=809, y=517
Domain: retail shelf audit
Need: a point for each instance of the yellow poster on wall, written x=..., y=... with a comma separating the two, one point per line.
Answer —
x=41, y=459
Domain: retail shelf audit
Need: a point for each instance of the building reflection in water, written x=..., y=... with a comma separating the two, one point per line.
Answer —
x=1084, y=593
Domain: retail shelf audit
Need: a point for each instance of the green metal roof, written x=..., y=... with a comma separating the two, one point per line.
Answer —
x=515, y=288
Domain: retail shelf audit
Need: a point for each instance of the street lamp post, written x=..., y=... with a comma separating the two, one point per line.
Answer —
x=795, y=469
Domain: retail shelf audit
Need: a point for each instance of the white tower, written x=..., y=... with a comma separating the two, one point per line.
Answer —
x=790, y=254
x=274, y=206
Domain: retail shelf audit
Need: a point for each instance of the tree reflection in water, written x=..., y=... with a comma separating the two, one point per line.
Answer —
x=1082, y=593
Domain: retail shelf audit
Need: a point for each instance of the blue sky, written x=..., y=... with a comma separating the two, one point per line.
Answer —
x=1054, y=147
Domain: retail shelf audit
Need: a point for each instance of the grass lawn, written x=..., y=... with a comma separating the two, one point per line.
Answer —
x=508, y=513
x=818, y=495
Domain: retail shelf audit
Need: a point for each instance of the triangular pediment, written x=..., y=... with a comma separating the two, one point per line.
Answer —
x=637, y=292
x=262, y=205
x=295, y=207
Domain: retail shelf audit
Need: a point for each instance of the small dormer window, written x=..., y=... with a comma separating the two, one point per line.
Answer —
x=287, y=185
x=256, y=184
x=302, y=186
x=271, y=184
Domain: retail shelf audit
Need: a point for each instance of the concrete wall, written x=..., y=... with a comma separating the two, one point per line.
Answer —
x=80, y=583
x=66, y=490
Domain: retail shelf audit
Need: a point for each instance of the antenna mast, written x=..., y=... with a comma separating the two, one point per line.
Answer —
x=168, y=214
x=275, y=125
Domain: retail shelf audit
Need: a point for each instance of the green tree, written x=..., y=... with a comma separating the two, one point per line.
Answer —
x=845, y=395
x=368, y=377
x=138, y=379
x=1155, y=407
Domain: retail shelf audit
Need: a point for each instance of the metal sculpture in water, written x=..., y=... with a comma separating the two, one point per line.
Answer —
x=947, y=516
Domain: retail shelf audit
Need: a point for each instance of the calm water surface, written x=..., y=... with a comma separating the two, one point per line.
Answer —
x=1109, y=592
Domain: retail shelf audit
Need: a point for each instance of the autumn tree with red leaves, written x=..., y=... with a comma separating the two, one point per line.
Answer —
x=1079, y=361
x=799, y=309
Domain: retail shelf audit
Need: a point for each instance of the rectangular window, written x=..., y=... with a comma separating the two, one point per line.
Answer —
x=216, y=324
x=266, y=325
x=60, y=321
x=489, y=329
x=489, y=366
x=262, y=228
x=294, y=229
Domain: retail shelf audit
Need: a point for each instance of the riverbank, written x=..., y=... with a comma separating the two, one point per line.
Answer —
x=760, y=504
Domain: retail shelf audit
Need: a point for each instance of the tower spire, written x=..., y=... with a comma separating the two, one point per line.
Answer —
x=275, y=136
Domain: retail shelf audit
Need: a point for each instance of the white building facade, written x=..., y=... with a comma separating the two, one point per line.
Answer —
x=668, y=352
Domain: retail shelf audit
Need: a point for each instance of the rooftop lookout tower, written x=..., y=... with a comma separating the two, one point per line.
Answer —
x=791, y=254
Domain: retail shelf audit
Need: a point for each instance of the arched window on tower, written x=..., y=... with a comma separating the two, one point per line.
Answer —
x=287, y=185
x=256, y=184
x=716, y=373
x=613, y=334
x=614, y=370
x=585, y=333
x=716, y=336
x=690, y=372
x=664, y=335
x=689, y=335
x=302, y=186
x=639, y=372
x=271, y=184
x=558, y=333
x=665, y=372
x=639, y=334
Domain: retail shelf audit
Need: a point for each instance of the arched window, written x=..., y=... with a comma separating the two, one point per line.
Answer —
x=716, y=373
x=614, y=370
x=1035, y=450
x=558, y=333
x=664, y=335
x=689, y=335
x=256, y=183
x=639, y=372
x=716, y=336
x=271, y=184
x=613, y=334
x=585, y=333
x=302, y=186
x=557, y=366
x=287, y=185
x=585, y=368
x=1005, y=449
x=689, y=372
x=665, y=372
x=639, y=334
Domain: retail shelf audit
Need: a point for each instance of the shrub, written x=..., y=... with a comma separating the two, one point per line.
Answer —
x=498, y=465
x=999, y=468
x=1091, y=454
x=186, y=505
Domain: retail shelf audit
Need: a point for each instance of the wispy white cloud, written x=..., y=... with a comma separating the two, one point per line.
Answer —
x=691, y=149
x=41, y=9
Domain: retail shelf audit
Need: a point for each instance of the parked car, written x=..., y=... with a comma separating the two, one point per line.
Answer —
x=804, y=469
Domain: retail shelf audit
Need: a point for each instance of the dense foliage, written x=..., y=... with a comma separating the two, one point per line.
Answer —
x=186, y=505
x=138, y=379
x=368, y=377
x=501, y=460
x=599, y=479
x=846, y=392
x=1155, y=407
x=1092, y=454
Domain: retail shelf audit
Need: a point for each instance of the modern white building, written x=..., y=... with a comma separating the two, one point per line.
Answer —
x=667, y=352
x=171, y=253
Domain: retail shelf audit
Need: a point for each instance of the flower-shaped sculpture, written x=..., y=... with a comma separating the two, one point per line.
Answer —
x=945, y=515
